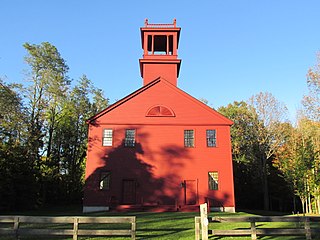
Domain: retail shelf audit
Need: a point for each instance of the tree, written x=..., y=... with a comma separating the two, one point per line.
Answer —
x=298, y=157
x=271, y=114
x=18, y=186
x=244, y=147
x=309, y=125
x=70, y=138
x=11, y=114
x=43, y=138
x=311, y=101
x=298, y=160
x=243, y=131
x=48, y=88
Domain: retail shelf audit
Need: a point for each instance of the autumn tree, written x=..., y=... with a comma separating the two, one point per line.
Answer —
x=309, y=128
x=270, y=133
x=311, y=101
x=298, y=160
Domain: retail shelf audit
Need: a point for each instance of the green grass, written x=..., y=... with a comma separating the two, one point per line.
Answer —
x=168, y=225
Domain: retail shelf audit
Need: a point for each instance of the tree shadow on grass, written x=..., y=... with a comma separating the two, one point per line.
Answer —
x=160, y=233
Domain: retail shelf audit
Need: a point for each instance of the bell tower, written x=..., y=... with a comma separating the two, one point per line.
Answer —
x=160, y=57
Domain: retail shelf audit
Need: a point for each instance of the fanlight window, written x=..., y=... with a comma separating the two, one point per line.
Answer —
x=160, y=111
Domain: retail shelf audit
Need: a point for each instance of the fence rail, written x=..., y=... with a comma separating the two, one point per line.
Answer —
x=301, y=227
x=66, y=226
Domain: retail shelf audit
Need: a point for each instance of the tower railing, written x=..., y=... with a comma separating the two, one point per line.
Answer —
x=160, y=25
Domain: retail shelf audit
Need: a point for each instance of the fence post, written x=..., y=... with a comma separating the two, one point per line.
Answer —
x=253, y=230
x=16, y=227
x=133, y=228
x=197, y=228
x=307, y=228
x=204, y=221
x=75, y=228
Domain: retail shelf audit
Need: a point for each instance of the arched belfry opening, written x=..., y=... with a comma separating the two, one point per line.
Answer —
x=160, y=52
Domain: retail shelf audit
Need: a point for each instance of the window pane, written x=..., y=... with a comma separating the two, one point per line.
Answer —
x=213, y=180
x=211, y=138
x=105, y=180
x=107, y=133
x=107, y=142
x=129, y=140
x=188, y=138
x=107, y=137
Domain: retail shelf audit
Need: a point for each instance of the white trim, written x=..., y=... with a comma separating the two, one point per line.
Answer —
x=88, y=209
x=223, y=209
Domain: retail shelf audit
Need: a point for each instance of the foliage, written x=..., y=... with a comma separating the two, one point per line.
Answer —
x=243, y=131
x=244, y=147
x=299, y=161
x=270, y=128
x=268, y=150
x=44, y=135
x=247, y=163
x=17, y=180
x=11, y=114
x=311, y=101
x=299, y=156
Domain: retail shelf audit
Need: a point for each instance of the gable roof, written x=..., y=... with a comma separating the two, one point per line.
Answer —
x=222, y=119
x=123, y=100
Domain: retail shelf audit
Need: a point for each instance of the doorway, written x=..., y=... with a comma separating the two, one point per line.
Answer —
x=129, y=191
x=190, y=192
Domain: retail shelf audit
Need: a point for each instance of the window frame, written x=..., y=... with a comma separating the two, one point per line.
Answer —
x=187, y=139
x=209, y=138
x=213, y=180
x=104, y=137
x=130, y=142
x=105, y=180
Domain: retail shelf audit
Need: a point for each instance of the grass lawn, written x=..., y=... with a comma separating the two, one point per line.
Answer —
x=168, y=225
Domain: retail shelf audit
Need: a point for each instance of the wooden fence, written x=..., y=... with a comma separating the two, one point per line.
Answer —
x=298, y=226
x=17, y=226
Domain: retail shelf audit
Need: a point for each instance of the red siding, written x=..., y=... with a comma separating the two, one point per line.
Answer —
x=160, y=163
x=167, y=71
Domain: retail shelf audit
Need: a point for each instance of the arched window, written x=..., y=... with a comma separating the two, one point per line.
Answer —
x=160, y=111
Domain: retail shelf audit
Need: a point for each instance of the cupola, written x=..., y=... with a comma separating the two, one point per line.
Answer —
x=160, y=57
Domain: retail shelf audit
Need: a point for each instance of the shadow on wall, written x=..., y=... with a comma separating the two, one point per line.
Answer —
x=150, y=173
x=220, y=202
x=133, y=174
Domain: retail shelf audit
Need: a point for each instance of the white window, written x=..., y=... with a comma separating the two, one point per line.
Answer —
x=188, y=138
x=130, y=138
x=213, y=180
x=107, y=137
x=105, y=178
x=211, y=138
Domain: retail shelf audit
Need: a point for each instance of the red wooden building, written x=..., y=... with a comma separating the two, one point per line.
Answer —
x=159, y=146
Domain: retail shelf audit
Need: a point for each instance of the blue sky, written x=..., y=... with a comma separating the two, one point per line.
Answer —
x=230, y=49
